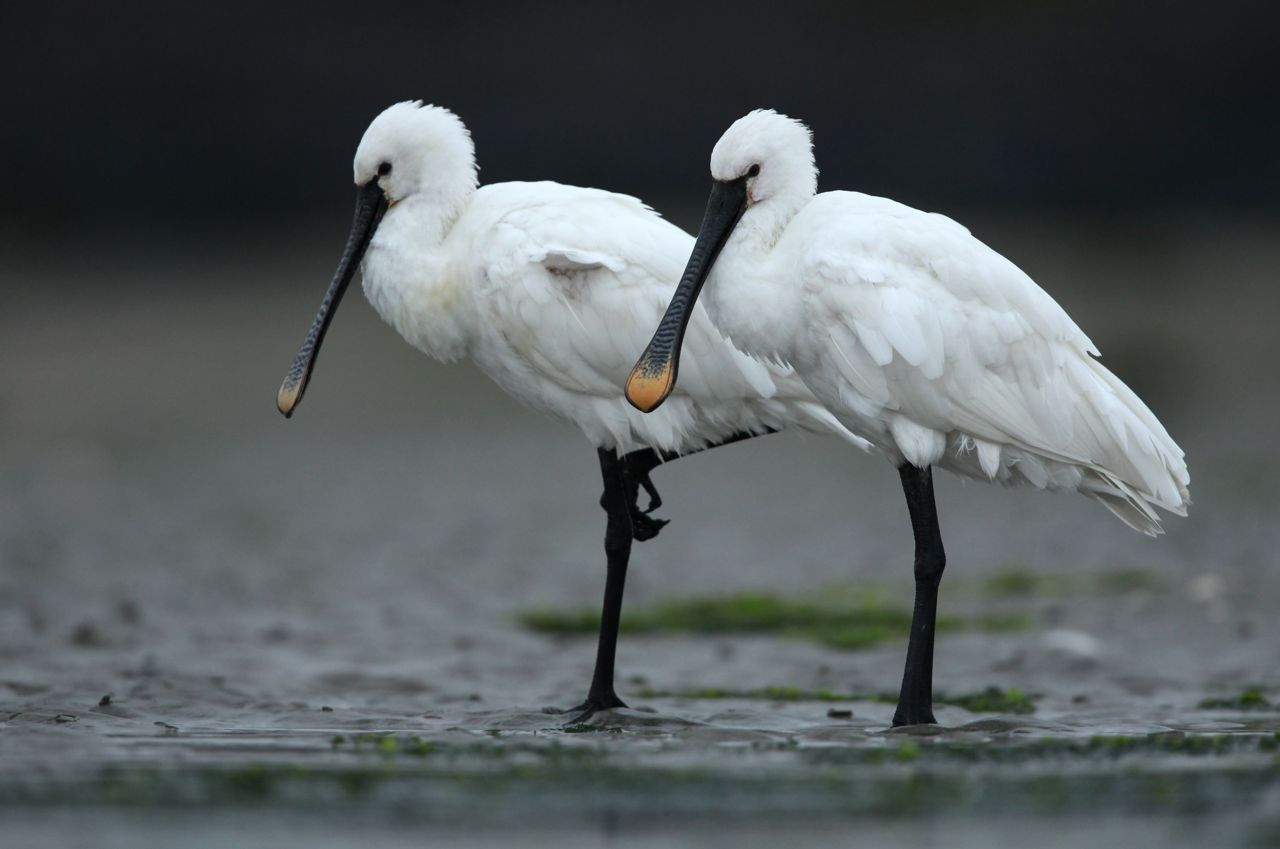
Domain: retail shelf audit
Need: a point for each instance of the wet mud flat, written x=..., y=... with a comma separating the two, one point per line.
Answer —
x=638, y=777
x=217, y=626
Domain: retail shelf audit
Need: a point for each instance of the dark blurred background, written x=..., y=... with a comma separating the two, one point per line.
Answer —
x=178, y=186
x=225, y=112
x=175, y=192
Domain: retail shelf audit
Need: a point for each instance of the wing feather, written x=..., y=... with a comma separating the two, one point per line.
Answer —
x=921, y=321
x=570, y=285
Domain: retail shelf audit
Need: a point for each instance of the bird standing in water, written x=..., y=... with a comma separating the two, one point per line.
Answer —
x=919, y=338
x=550, y=290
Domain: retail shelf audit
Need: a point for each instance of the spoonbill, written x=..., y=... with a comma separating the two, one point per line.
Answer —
x=921, y=339
x=549, y=289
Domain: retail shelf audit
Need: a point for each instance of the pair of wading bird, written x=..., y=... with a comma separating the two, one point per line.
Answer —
x=854, y=315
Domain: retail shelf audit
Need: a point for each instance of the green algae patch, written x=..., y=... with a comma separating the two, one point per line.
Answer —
x=254, y=781
x=387, y=745
x=1028, y=583
x=842, y=619
x=907, y=751
x=1249, y=699
x=990, y=700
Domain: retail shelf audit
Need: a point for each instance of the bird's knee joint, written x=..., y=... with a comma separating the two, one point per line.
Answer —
x=929, y=568
x=617, y=537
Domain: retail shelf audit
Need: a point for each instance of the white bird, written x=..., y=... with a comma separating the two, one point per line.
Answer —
x=550, y=290
x=921, y=339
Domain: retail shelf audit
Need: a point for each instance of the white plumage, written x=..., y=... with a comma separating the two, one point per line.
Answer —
x=923, y=340
x=551, y=290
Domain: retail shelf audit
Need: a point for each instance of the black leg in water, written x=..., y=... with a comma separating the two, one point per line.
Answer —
x=623, y=479
x=915, y=702
x=617, y=549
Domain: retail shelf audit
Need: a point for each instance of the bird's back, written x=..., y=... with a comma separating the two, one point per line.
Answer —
x=569, y=283
x=943, y=352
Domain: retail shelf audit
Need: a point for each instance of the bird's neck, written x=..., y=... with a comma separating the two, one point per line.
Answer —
x=745, y=297
x=412, y=283
x=764, y=223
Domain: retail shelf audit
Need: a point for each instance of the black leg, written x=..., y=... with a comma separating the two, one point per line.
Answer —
x=623, y=478
x=915, y=702
x=617, y=549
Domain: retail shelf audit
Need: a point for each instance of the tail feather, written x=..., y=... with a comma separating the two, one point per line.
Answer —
x=1130, y=507
x=818, y=419
x=1144, y=468
x=1116, y=452
x=793, y=405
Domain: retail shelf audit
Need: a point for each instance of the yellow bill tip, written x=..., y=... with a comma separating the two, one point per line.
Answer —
x=287, y=398
x=647, y=389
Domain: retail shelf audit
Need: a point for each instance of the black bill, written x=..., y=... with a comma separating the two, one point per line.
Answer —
x=654, y=375
x=371, y=205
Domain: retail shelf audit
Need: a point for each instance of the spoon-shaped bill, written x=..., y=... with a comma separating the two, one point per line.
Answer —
x=654, y=375
x=371, y=205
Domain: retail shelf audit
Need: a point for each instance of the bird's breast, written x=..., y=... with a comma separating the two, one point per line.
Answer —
x=421, y=298
x=758, y=313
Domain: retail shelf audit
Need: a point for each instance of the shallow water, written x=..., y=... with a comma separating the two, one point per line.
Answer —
x=247, y=589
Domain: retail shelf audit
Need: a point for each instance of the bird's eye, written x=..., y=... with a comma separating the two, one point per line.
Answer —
x=754, y=170
x=384, y=169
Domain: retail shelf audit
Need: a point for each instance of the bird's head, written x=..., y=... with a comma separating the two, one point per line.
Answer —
x=411, y=153
x=770, y=153
x=412, y=150
x=763, y=170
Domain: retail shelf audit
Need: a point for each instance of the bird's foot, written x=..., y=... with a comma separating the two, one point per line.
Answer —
x=593, y=705
x=913, y=716
x=643, y=525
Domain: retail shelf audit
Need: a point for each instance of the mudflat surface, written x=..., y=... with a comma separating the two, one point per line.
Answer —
x=218, y=625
